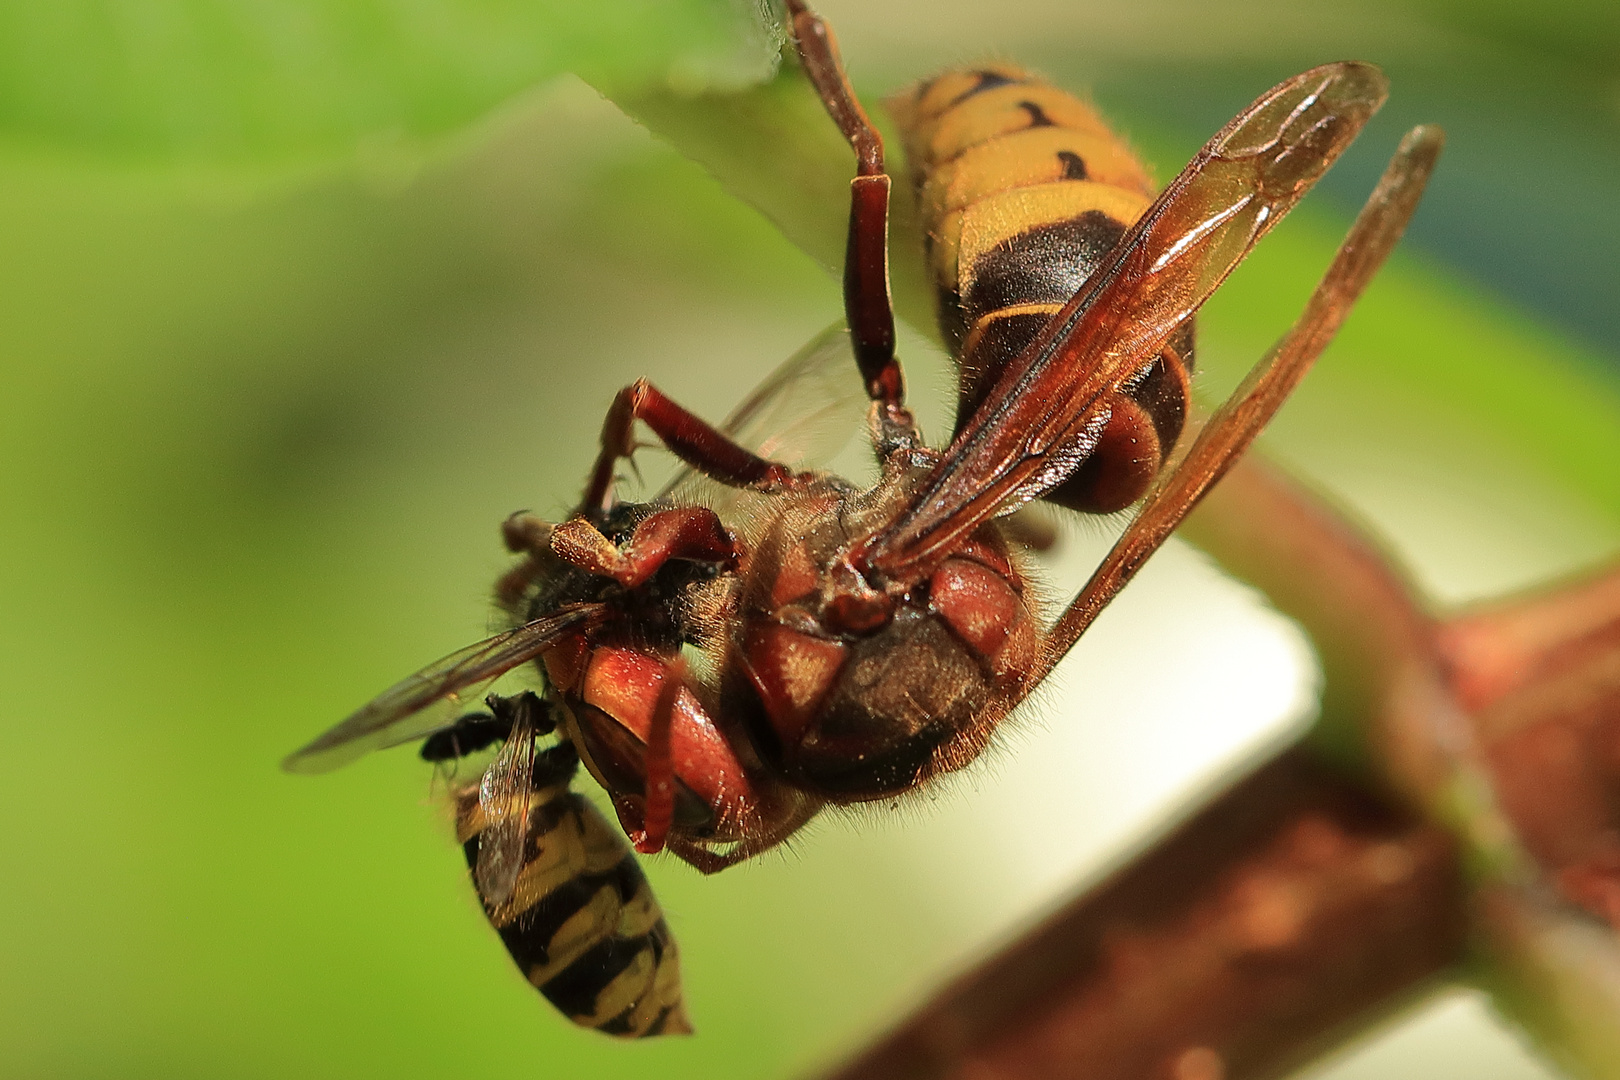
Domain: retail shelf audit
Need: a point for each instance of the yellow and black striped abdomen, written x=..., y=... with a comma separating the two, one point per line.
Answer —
x=1023, y=191
x=582, y=923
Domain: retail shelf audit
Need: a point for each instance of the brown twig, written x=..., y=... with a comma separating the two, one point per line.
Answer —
x=1240, y=945
x=1542, y=674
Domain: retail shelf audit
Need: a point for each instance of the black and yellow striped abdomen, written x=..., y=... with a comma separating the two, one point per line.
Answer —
x=582, y=923
x=1023, y=191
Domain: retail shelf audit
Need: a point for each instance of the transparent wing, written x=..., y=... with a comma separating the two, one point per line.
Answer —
x=1042, y=418
x=803, y=414
x=503, y=798
x=431, y=699
x=1234, y=426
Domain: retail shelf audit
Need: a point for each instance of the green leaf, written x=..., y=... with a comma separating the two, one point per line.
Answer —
x=247, y=82
x=772, y=146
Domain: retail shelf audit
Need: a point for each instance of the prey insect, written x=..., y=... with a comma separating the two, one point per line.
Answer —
x=857, y=643
x=551, y=855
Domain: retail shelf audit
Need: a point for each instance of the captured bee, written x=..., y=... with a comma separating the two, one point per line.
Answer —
x=558, y=882
x=858, y=643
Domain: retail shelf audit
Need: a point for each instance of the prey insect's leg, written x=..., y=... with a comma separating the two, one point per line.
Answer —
x=685, y=532
x=688, y=436
x=1237, y=422
x=866, y=258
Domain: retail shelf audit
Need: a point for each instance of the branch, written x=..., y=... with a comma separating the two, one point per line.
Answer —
x=1287, y=913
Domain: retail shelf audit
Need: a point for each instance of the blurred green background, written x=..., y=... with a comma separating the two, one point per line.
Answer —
x=296, y=306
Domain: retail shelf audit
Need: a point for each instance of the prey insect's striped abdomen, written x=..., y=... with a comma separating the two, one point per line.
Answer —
x=582, y=923
x=1023, y=191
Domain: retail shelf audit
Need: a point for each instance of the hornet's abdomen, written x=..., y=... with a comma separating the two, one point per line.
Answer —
x=1023, y=191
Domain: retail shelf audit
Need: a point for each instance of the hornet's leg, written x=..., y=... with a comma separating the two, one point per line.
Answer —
x=659, y=796
x=685, y=532
x=866, y=259
x=687, y=435
x=707, y=861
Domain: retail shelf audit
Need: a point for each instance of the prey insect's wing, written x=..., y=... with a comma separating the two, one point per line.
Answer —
x=1043, y=416
x=504, y=795
x=430, y=700
x=802, y=415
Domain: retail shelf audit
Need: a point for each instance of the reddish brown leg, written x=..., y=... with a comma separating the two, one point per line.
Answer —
x=866, y=259
x=659, y=795
x=706, y=861
x=686, y=532
x=688, y=437
x=702, y=859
